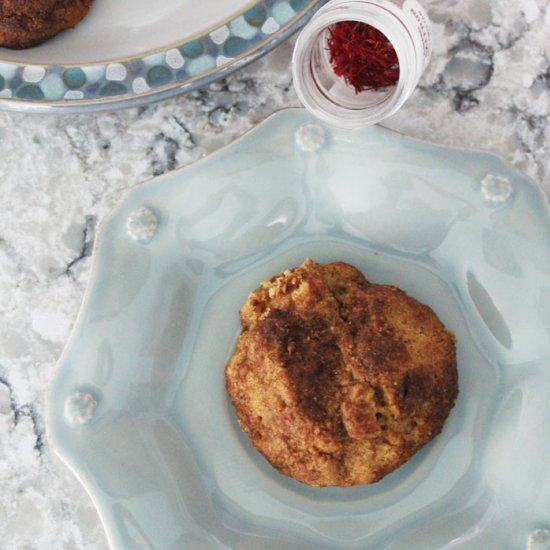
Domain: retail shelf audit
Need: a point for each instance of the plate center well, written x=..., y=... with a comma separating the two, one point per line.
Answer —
x=247, y=491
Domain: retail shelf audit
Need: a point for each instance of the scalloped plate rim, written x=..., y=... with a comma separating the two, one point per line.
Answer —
x=158, y=180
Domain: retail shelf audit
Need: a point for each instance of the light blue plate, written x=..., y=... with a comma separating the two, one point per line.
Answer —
x=138, y=407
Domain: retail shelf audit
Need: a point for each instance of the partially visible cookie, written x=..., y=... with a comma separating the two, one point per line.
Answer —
x=26, y=23
x=338, y=381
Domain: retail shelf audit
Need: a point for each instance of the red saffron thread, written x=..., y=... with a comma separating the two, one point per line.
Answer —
x=362, y=55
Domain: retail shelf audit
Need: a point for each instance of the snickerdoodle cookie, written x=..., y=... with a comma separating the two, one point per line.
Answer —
x=338, y=381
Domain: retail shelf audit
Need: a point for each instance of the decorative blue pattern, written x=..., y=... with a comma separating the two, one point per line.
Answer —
x=142, y=79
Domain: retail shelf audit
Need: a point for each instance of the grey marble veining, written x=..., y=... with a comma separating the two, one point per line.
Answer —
x=487, y=87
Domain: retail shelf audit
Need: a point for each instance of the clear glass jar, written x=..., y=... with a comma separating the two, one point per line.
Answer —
x=403, y=22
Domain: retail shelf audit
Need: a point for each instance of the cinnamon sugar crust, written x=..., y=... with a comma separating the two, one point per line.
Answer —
x=338, y=381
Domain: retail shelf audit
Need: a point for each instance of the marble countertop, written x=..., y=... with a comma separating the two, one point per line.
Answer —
x=487, y=87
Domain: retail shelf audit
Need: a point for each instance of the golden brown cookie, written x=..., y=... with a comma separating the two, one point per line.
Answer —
x=26, y=23
x=338, y=381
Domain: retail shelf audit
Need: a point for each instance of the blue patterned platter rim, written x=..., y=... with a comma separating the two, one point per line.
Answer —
x=159, y=74
x=138, y=407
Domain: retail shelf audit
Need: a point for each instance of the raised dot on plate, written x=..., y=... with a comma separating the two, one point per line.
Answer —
x=192, y=49
x=496, y=189
x=219, y=36
x=222, y=60
x=80, y=407
x=174, y=59
x=270, y=26
x=33, y=73
x=310, y=137
x=142, y=224
x=30, y=91
x=115, y=71
x=139, y=85
x=74, y=77
x=158, y=75
x=255, y=16
x=73, y=94
x=539, y=539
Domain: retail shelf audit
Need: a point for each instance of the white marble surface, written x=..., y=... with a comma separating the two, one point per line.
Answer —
x=488, y=87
